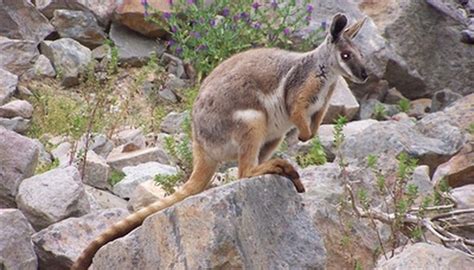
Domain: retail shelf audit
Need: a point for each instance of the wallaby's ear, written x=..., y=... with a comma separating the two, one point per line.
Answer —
x=339, y=22
x=354, y=29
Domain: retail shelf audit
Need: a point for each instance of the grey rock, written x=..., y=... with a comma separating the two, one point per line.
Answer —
x=145, y=194
x=173, y=122
x=60, y=244
x=99, y=143
x=16, y=248
x=8, y=84
x=422, y=180
x=52, y=196
x=16, y=108
x=369, y=108
x=443, y=99
x=459, y=170
x=44, y=157
x=101, y=52
x=17, y=124
x=102, y=9
x=393, y=96
x=105, y=199
x=17, y=56
x=168, y=95
x=69, y=58
x=130, y=136
x=133, y=49
x=79, y=25
x=21, y=20
x=43, y=68
x=63, y=153
x=18, y=159
x=427, y=256
x=135, y=175
x=464, y=196
x=174, y=65
x=96, y=172
x=342, y=103
x=442, y=62
x=390, y=138
x=119, y=160
x=254, y=223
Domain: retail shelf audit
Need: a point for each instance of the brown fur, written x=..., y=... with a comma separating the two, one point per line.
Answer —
x=244, y=109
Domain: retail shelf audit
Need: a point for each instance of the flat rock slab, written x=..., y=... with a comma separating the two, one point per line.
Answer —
x=342, y=102
x=119, y=160
x=257, y=223
x=135, y=175
x=17, y=56
x=18, y=159
x=21, y=108
x=16, y=248
x=52, y=196
x=60, y=244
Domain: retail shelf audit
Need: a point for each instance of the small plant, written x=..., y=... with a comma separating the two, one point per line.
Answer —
x=112, y=64
x=404, y=105
x=168, y=182
x=315, y=155
x=470, y=129
x=42, y=168
x=206, y=34
x=115, y=177
x=380, y=113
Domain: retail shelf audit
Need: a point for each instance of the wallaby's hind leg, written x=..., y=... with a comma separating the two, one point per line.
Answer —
x=251, y=141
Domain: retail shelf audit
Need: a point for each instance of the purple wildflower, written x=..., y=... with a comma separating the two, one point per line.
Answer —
x=190, y=2
x=324, y=25
x=308, y=18
x=309, y=8
x=236, y=17
x=244, y=15
x=174, y=29
x=212, y=23
x=257, y=25
x=170, y=42
x=274, y=4
x=144, y=3
x=286, y=31
x=256, y=5
x=201, y=47
x=196, y=34
x=166, y=15
x=225, y=12
x=170, y=2
x=178, y=50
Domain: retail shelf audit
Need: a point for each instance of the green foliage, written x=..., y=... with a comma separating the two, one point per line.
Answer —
x=404, y=105
x=206, y=34
x=380, y=113
x=42, y=168
x=115, y=176
x=470, y=129
x=168, y=182
x=315, y=155
x=372, y=161
x=341, y=121
x=406, y=165
x=180, y=151
x=358, y=265
x=112, y=64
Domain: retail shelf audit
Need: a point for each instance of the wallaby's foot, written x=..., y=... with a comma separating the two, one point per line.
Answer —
x=283, y=168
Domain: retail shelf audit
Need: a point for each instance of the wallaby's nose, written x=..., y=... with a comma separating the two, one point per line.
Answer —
x=363, y=74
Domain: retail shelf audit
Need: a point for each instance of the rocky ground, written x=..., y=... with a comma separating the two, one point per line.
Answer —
x=59, y=190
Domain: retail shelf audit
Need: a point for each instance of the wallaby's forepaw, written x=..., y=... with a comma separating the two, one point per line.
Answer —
x=287, y=170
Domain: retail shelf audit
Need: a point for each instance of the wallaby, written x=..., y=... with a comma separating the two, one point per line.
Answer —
x=247, y=105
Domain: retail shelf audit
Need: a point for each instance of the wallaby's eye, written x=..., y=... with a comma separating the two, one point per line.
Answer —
x=345, y=56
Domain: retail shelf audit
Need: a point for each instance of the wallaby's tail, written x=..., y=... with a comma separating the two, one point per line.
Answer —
x=203, y=170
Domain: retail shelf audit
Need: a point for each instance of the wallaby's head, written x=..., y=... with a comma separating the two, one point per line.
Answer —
x=348, y=57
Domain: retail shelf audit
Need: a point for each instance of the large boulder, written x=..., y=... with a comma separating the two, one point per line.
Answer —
x=52, y=196
x=132, y=14
x=427, y=256
x=16, y=248
x=17, y=56
x=102, y=9
x=17, y=108
x=18, y=159
x=253, y=223
x=96, y=171
x=133, y=48
x=429, y=41
x=19, y=19
x=69, y=58
x=459, y=170
x=8, y=84
x=341, y=103
x=59, y=245
x=79, y=25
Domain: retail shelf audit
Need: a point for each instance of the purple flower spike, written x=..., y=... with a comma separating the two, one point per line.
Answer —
x=274, y=4
x=201, y=47
x=225, y=12
x=212, y=23
x=257, y=25
x=166, y=15
x=171, y=42
x=256, y=5
x=144, y=3
x=244, y=15
x=174, y=29
x=196, y=34
x=178, y=50
x=324, y=25
x=170, y=2
x=309, y=9
x=287, y=31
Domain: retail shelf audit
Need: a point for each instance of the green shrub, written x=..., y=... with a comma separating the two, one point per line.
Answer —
x=315, y=155
x=168, y=182
x=404, y=105
x=206, y=34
